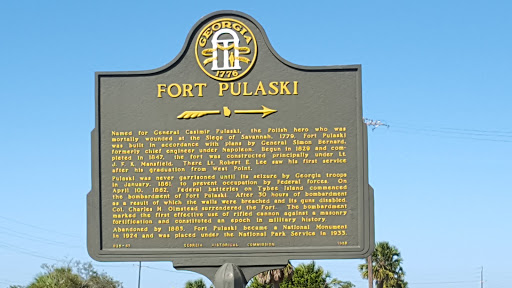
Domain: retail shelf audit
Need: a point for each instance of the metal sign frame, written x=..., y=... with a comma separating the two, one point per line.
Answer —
x=214, y=257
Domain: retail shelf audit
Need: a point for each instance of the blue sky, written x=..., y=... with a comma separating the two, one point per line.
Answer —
x=438, y=72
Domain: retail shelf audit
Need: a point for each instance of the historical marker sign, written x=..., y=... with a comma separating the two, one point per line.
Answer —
x=229, y=152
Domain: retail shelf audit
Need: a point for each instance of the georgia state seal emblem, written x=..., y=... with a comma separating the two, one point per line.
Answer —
x=226, y=49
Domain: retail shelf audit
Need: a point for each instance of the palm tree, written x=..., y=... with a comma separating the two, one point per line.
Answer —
x=199, y=283
x=276, y=276
x=312, y=276
x=304, y=276
x=387, y=267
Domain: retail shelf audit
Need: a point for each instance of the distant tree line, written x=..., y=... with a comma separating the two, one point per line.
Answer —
x=72, y=275
x=303, y=276
x=386, y=262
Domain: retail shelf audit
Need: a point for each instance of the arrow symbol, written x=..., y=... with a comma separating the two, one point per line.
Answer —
x=266, y=111
x=196, y=114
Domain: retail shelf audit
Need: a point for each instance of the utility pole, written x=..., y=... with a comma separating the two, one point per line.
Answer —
x=482, y=277
x=370, y=272
x=140, y=267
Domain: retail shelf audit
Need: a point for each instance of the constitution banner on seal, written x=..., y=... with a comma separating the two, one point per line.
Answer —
x=230, y=154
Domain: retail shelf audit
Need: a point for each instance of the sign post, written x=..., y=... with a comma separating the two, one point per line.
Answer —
x=229, y=156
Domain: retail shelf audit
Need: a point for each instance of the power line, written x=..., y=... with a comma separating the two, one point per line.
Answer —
x=167, y=270
x=451, y=132
x=457, y=131
x=25, y=251
x=34, y=238
x=450, y=136
x=5, y=281
x=145, y=266
x=40, y=228
x=112, y=266
x=477, y=130
x=413, y=124
x=441, y=282
x=410, y=125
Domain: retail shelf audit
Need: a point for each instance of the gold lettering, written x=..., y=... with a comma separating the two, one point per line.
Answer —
x=261, y=88
x=226, y=24
x=245, y=90
x=216, y=26
x=207, y=33
x=237, y=93
x=161, y=88
x=284, y=86
x=237, y=27
x=229, y=205
x=273, y=86
x=169, y=90
x=187, y=90
x=200, y=86
x=223, y=87
x=202, y=41
x=247, y=38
